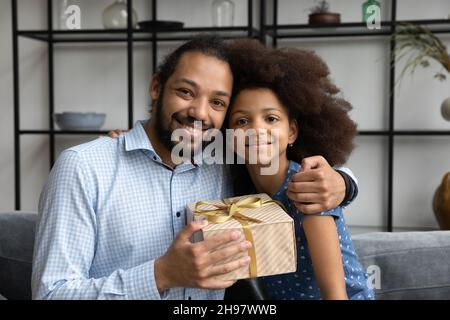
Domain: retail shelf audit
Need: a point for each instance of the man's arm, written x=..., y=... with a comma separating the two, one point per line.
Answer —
x=319, y=187
x=66, y=239
x=351, y=185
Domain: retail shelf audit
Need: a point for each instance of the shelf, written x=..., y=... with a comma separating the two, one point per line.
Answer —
x=349, y=29
x=422, y=133
x=121, y=35
x=61, y=132
x=361, y=133
x=373, y=133
x=436, y=26
x=404, y=133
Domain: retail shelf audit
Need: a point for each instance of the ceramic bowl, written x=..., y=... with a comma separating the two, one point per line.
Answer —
x=79, y=120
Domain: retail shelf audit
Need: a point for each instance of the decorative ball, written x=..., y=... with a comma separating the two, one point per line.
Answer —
x=445, y=109
x=116, y=16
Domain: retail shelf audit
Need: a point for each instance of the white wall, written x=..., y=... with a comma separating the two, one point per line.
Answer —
x=93, y=78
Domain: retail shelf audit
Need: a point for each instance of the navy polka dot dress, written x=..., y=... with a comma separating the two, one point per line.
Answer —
x=302, y=283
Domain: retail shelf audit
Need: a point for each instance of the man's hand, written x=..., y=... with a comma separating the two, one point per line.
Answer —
x=196, y=265
x=317, y=187
x=116, y=133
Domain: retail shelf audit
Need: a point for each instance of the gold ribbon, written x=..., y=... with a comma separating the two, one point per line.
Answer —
x=228, y=210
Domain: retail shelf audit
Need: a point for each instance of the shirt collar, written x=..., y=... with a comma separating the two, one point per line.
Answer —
x=137, y=139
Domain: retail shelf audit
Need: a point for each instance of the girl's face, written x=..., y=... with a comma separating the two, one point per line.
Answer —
x=265, y=123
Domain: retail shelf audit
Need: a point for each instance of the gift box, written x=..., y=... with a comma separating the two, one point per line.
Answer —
x=263, y=221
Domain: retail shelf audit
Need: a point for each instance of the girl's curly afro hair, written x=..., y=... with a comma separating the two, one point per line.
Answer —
x=300, y=80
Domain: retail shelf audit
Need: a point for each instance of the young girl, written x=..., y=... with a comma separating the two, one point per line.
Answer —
x=288, y=90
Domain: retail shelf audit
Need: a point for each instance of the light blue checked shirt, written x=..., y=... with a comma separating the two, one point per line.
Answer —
x=108, y=210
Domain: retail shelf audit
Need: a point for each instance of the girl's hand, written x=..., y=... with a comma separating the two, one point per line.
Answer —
x=116, y=133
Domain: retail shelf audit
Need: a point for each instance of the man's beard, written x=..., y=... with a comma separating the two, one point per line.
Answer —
x=165, y=135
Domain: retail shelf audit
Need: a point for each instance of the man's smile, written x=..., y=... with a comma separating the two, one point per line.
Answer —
x=193, y=128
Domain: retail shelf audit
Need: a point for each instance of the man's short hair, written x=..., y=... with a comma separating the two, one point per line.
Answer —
x=209, y=45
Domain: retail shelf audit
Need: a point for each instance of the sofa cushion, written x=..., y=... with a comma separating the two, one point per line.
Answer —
x=16, y=253
x=411, y=265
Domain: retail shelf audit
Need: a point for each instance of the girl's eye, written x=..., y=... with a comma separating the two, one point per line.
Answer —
x=272, y=119
x=241, y=122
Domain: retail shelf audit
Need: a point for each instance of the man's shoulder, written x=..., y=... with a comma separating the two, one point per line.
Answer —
x=96, y=151
x=105, y=144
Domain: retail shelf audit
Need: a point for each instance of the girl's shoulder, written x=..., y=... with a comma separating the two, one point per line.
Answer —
x=294, y=167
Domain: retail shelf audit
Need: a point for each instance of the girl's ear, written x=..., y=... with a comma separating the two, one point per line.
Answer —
x=155, y=88
x=293, y=131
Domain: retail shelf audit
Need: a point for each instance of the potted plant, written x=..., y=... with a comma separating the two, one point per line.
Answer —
x=421, y=46
x=320, y=15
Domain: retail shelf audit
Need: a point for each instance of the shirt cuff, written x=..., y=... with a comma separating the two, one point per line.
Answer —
x=351, y=189
x=140, y=283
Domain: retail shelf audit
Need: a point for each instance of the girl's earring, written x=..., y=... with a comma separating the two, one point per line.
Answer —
x=290, y=145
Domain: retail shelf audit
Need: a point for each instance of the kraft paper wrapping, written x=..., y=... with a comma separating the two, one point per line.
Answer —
x=273, y=237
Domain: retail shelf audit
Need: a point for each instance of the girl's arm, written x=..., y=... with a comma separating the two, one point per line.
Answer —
x=323, y=243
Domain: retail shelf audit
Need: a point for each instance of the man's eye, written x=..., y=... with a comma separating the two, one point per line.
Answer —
x=185, y=92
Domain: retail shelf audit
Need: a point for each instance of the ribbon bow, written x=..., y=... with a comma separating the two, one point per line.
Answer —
x=227, y=210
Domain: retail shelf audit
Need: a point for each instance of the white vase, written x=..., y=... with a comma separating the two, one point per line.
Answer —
x=223, y=13
x=445, y=109
x=115, y=16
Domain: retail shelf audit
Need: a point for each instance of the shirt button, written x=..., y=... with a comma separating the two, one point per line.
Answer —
x=178, y=214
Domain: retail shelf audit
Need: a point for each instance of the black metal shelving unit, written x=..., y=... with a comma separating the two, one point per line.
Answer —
x=276, y=31
x=267, y=30
x=127, y=36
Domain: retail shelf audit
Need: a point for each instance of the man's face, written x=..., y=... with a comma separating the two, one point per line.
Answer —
x=198, y=90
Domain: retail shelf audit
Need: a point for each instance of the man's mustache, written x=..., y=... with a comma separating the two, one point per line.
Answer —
x=189, y=121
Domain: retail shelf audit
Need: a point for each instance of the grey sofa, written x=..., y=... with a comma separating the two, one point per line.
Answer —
x=16, y=253
x=410, y=265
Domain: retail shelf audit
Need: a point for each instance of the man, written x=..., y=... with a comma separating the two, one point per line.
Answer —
x=112, y=218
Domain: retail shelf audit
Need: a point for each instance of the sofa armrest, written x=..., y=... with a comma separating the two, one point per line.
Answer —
x=411, y=265
x=17, y=230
